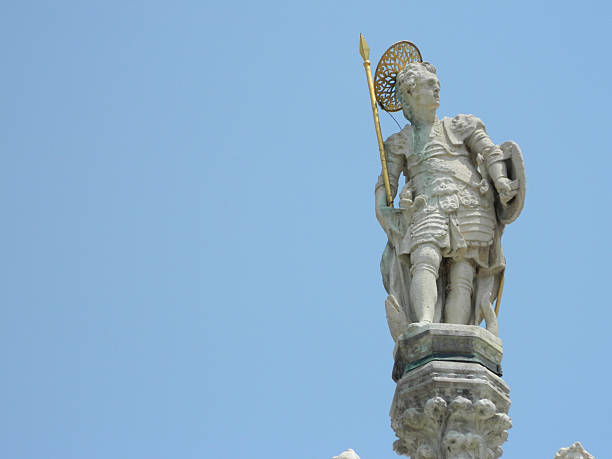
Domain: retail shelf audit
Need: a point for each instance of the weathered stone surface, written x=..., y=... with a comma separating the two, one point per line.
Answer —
x=433, y=341
x=449, y=380
x=447, y=403
x=460, y=429
x=576, y=451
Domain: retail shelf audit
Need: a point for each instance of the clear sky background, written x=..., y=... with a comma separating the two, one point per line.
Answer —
x=190, y=257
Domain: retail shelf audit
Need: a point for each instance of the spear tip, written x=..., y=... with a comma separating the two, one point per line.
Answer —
x=364, y=49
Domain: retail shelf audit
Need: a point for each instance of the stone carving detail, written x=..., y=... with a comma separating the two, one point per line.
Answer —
x=458, y=430
x=576, y=451
x=348, y=454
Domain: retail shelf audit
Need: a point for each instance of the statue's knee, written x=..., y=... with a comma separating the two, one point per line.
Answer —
x=462, y=275
x=426, y=259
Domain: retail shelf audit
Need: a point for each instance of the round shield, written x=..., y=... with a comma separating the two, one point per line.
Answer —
x=515, y=167
x=390, y=64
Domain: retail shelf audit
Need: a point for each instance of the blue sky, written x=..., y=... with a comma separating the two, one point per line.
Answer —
x=190, y=251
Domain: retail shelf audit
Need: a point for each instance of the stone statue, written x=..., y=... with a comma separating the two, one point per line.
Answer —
x=444, y=261
x=443, y=265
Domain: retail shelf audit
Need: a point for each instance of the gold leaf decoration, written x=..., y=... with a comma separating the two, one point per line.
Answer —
x=390, y=64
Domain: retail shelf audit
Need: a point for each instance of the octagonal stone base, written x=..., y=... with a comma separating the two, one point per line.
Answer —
x=422, y=343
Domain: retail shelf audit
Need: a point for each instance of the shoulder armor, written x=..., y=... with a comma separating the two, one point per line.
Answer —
x=461, y=127
x=398, y=143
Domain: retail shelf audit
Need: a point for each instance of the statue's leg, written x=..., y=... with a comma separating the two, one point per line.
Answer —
x=425, y=260
x=459, y=300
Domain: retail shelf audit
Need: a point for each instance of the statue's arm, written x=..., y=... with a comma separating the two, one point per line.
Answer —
x=493, y=157
x=395, y=165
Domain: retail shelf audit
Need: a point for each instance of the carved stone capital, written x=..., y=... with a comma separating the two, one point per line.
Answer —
x=460, y=429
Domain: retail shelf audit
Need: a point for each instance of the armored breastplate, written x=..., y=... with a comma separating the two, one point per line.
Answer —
x=441, y=167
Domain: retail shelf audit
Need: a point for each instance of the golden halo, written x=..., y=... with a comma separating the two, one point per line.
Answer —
x=390, y=64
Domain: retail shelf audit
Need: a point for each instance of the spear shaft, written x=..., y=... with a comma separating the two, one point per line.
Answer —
x=364, y=50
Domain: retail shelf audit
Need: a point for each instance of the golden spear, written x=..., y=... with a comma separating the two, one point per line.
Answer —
x=364, y=50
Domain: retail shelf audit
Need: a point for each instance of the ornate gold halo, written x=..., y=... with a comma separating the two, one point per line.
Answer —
x=390, y=64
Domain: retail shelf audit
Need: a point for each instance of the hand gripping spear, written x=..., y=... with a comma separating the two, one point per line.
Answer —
x=364, y=50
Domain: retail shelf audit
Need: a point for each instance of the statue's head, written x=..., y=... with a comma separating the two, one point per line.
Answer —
x=417, y=87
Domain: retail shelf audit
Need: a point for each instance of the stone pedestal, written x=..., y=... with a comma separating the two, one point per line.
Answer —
x=450, y=401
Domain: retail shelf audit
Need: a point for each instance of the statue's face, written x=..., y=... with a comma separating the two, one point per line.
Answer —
x=426, y=93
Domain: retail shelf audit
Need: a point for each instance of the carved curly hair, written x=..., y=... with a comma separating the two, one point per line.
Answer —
x=406, y=81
